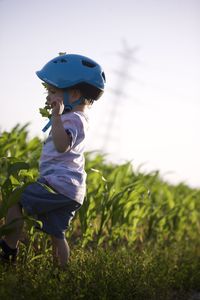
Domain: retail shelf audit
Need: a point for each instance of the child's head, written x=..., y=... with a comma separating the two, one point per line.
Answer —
x=54, y=92
x=80, y=79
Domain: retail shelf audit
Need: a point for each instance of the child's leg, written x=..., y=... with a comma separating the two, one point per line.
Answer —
x=60, y=251
x=15, y=212
x=54, y=251
x=9, y=244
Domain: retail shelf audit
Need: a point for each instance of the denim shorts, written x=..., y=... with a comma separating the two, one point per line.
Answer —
x=54, y=210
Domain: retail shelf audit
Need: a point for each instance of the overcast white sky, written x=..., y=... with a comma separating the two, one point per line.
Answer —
x=156, y=121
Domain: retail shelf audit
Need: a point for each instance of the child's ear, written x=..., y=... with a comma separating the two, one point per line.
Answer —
x=76, y=93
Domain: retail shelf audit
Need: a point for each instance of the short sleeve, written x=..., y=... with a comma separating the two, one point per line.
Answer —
x=72, y=129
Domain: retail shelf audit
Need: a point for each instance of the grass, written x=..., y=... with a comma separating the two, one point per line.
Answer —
x=171, y=273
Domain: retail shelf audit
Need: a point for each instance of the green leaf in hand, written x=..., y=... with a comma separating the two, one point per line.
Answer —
x=45, y=112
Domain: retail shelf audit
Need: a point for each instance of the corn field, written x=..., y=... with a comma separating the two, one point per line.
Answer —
x=122, y=204
x=135, y=237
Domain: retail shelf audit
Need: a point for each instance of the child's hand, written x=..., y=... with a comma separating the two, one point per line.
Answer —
x=57, y=105
x=53, y=107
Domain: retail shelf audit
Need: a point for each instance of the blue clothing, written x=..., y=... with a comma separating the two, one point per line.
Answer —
x=54, y=210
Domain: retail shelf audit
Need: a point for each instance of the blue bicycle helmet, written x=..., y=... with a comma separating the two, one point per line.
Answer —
x=73, y=70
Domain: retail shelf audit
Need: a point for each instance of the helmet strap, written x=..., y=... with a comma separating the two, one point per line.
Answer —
x=47, y=126
x=68, y=107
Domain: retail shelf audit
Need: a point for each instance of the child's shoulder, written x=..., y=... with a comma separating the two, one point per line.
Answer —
x=75, y=116
x=76, y=119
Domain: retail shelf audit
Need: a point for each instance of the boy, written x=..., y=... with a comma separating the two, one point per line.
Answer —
x=73, y=82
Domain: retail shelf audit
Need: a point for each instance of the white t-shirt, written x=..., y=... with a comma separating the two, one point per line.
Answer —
x=65, y=171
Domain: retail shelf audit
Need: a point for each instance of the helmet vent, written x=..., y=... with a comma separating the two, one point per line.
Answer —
x=88, y=64
x=103, y=75
x=62, y=60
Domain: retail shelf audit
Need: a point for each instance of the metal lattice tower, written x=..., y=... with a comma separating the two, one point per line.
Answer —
x=127, y=56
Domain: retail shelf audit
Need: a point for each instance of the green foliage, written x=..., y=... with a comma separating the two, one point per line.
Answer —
x=19, y=167
x=123, y=273
x=151, y=226
x=122, y=204
x=46, y=111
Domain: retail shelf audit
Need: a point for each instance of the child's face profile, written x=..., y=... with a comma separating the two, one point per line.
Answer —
x=54, y=94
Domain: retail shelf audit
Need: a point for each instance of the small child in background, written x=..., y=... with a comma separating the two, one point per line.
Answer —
x=73, y=82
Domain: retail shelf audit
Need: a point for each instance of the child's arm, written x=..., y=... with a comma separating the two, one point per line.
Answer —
x=60, y=138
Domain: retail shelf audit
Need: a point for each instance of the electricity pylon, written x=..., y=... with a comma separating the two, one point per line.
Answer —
x=127, y=56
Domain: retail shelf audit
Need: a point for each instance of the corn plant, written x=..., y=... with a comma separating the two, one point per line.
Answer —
x=122, y=204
